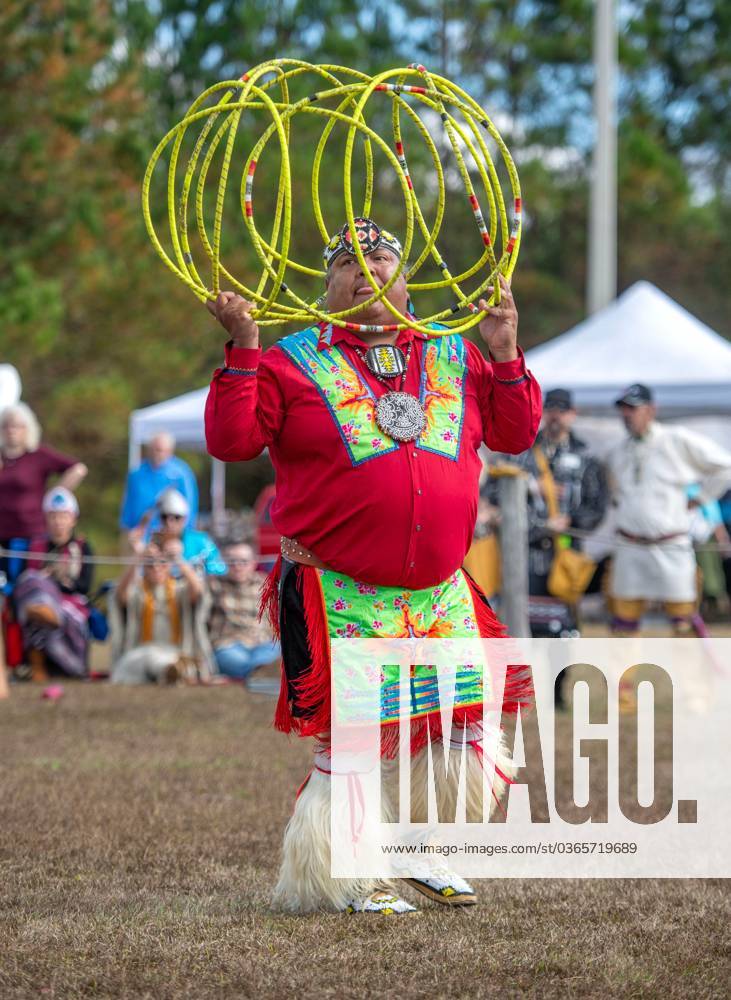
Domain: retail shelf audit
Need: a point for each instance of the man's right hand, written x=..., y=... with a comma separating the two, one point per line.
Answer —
x=234, y=314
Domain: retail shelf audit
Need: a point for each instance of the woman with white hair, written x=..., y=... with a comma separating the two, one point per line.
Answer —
x=26, y=465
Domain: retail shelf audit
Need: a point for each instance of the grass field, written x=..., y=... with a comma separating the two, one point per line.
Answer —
x=140, y=831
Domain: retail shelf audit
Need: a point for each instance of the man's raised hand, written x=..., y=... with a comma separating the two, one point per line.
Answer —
x=499, y=329
x=233, y=312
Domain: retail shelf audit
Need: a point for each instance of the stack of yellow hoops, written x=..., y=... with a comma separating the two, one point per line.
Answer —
x=343, y=98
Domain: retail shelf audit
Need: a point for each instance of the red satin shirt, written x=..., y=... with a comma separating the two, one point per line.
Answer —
x=404, y=518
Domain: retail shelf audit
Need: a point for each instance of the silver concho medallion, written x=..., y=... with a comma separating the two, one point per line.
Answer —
x=399, y=414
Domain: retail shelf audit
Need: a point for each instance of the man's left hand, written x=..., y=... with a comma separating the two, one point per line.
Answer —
x=499, y=329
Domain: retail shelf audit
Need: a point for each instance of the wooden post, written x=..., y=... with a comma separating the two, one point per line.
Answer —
x=4, y=689
x=512, y=492
x=218, y=496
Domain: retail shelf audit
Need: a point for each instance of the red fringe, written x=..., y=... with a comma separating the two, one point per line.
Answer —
x=269, y=608
x=488, y=623
x=283, y=713
x=269, y=600
x=518, y=692
x=313, y=690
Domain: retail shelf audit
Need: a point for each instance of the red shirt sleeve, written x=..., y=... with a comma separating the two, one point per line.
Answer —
x=245, y=407
x=55, y=461
x=510, y=402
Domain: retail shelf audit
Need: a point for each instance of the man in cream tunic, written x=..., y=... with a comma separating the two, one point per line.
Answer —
x=650, y=472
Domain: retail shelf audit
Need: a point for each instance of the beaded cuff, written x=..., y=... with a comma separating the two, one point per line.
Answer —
x=239, y=371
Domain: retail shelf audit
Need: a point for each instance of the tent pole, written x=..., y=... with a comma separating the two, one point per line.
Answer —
x=135, y=452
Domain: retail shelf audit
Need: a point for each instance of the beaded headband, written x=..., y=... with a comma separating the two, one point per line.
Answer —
x=369, y=236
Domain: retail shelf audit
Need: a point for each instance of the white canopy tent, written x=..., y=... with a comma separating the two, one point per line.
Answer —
x=182, y=417
x=643, y=336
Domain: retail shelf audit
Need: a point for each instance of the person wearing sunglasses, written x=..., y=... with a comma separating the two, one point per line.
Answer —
x=189, y=544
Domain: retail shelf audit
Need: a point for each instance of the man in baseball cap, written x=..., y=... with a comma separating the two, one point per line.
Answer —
x=636, y=394
x=637, y=408
x=558, y=399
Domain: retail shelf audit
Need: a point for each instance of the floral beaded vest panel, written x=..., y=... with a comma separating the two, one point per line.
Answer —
x=351, y=402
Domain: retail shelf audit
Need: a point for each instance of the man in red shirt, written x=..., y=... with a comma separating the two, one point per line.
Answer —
x=374, y=437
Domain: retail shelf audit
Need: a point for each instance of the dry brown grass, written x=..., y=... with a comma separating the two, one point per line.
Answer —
x=140, y=834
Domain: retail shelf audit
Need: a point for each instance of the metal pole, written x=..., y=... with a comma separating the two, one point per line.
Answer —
x=134, y=453
x=512, y=494
x=602, y=263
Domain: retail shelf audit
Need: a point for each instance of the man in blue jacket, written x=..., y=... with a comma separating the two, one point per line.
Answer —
x=160, y=470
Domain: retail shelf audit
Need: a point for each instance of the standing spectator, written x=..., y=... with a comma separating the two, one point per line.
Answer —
x=51, y=597
x=241, y=642
x=567, y=492
x=26, y=465
x=651, y=470
x=160, y=470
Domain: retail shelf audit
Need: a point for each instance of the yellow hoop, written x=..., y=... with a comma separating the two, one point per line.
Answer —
x=340, y=103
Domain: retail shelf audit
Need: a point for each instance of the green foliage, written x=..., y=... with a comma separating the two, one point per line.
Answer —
x=31, y=309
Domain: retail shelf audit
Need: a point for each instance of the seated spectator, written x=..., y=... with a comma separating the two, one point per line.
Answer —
x=241, y=643
x=160, y=470
x=51, y=597
x=157, y=620
x=199, y=549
